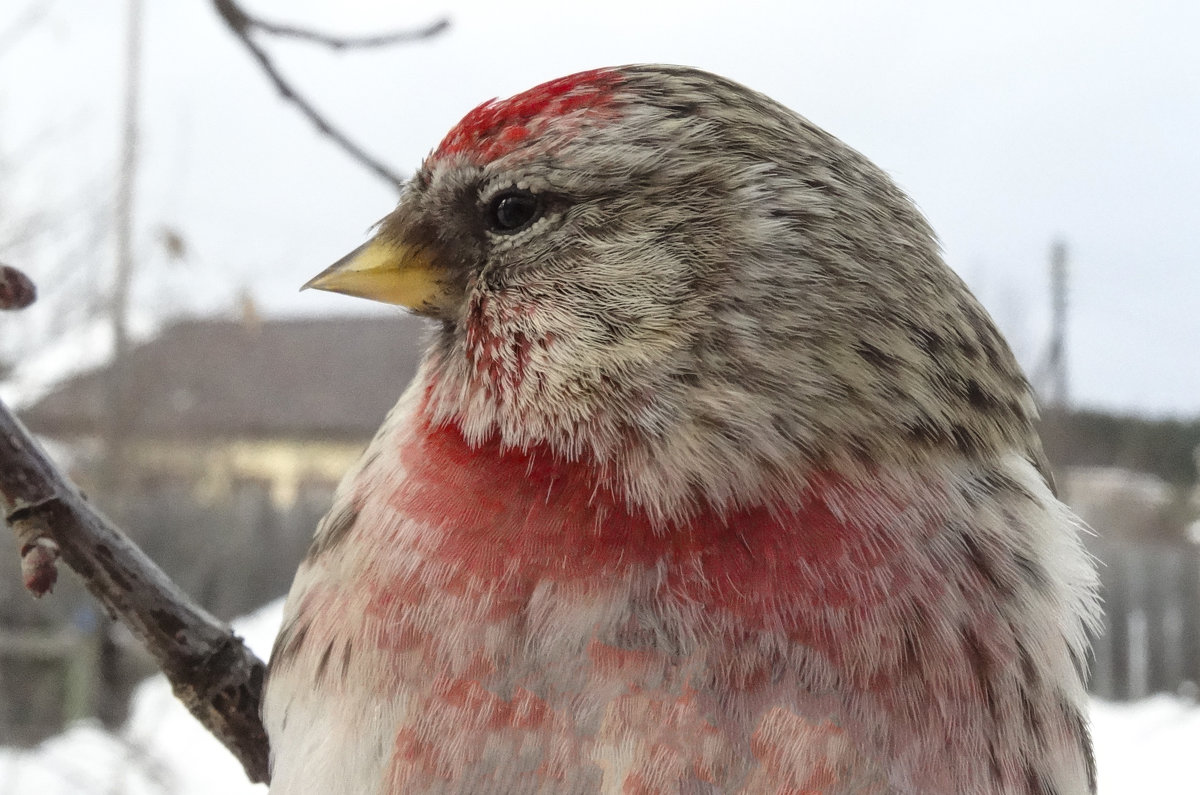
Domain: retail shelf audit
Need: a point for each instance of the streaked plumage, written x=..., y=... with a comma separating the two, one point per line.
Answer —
x=714, y=479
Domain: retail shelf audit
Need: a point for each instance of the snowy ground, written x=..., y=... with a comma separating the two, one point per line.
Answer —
x=1145, y=747
x=163, y=752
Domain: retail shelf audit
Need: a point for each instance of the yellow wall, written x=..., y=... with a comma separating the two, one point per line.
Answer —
x=217, y=466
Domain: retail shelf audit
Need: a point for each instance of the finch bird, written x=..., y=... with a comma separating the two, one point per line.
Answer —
x=713, y=479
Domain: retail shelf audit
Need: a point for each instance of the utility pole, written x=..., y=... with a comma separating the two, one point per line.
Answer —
x=1056, y=388
x=116, y=415
x=109, y=699
x=127, y=182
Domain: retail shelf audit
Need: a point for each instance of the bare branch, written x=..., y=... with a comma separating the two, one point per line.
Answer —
x=242, y=24
x=352, y=42
x=210, y=669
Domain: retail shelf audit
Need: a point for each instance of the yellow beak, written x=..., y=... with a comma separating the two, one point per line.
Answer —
x=386, y=271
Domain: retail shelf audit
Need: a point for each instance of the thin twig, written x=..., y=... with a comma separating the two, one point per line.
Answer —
x=351, y=42
x=242, y=24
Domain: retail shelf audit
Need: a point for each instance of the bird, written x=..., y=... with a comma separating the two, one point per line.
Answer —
x=714, y=478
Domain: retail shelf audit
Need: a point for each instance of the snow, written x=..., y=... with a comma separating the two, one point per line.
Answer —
x=1145, y=746
x=163, y=750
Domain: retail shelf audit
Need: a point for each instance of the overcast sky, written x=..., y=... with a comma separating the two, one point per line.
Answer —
x=1009, y=125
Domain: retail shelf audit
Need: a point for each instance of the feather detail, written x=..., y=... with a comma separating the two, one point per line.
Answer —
x=497, y=127
x=526, y=629
x=490, y=508
x=715, y=478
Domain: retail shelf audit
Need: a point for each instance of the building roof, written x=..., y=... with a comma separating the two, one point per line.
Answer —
x=299, y=377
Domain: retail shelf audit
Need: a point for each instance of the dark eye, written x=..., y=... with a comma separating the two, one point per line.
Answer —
x=513, y=210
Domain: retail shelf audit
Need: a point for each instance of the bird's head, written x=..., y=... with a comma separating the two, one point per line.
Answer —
x=684, y=281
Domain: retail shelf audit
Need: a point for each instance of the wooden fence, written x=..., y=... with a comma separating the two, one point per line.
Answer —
x=1151, y=638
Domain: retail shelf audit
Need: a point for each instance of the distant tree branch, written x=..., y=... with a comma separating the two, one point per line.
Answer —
x=353, y=42
x=242, y=24
x=210, y=669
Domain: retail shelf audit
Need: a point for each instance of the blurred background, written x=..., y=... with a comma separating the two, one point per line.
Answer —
x=169, y=200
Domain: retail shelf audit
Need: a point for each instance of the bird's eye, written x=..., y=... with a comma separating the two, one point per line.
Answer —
x=513, y=210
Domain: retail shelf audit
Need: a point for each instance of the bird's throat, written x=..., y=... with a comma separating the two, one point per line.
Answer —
x=493, y=513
